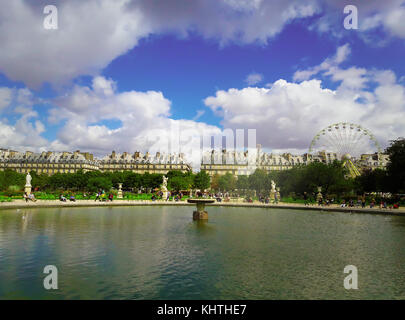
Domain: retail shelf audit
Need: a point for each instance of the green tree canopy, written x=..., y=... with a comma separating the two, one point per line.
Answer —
x=396, y=165
x=227, y=182
x=202, y=180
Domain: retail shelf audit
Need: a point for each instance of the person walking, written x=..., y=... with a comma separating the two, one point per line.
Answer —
x=305, y=199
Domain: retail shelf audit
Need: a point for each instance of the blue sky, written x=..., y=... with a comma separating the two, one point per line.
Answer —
x=115, y=83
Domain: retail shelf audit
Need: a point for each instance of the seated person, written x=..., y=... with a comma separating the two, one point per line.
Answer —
x=72, y=198
x=32, y=197
x=62, y=198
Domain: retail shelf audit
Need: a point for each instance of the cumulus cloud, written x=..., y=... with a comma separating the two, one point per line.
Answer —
x=93, y=33
x=25, y=132
x=90, y=35
x=288, y=115
x=144, y=117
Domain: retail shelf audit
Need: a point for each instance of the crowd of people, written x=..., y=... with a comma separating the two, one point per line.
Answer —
x=101, y=195
x=29, y=197
x=309, y=199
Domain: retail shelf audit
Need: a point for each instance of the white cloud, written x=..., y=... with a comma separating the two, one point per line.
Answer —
x=288, y=115
x=144, y=118
x=5, y=97
x=93, y=33
x=25, y=133
x=341, y=55
x=254, y=78
x=387, y=14
x=90, y=35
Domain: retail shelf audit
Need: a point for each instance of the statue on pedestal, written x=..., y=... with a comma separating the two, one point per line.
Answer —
x=163, y=188
x=319, y=197
x=273, y=192
x=119, y=194
x=27, y=187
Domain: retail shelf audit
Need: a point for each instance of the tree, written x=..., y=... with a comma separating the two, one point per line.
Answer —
x=202, y=180
x=331, y=177
x=132, y=180
x=10, y=178
x=178, y=183
x=242, y=183
x=258, y=181
x=215, y=182
x=97, y=183
x=396, y=165
x=179, y=180
x=227, y=182
x=372, y=181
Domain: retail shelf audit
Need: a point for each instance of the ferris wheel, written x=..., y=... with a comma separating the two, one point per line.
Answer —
x=346, y=142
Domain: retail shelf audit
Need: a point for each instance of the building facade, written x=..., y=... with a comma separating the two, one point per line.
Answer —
x=213, y=161
x=70, y=162
x=142, y=163
x=242, y=163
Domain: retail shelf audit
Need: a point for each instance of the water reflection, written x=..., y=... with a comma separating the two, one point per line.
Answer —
x=161, y=253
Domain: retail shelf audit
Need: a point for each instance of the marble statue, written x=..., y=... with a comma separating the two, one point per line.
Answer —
x=273, y=192
x=28, y=179
x=165, y=192
x=164, y=184
x=27, y=187
x=273, y=186
x=119, y=193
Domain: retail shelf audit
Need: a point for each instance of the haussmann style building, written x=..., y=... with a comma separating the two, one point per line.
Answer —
x=70, y=162
x=213, y=161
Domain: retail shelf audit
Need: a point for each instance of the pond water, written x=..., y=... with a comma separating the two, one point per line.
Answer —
x=161, y=253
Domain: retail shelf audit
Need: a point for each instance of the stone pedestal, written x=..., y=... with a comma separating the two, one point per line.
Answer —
x=319, y=197
x=165, y=194
x=119, y=193
x=272, y=196
x=200, y=213
x=27, y=189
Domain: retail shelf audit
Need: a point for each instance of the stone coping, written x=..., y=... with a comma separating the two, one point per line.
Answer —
x=19, y=204
x=202, y=200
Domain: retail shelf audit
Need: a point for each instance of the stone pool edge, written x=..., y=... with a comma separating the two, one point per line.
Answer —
x=84, y=203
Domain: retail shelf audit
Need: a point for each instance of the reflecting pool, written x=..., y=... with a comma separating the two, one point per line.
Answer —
x=159, y=252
